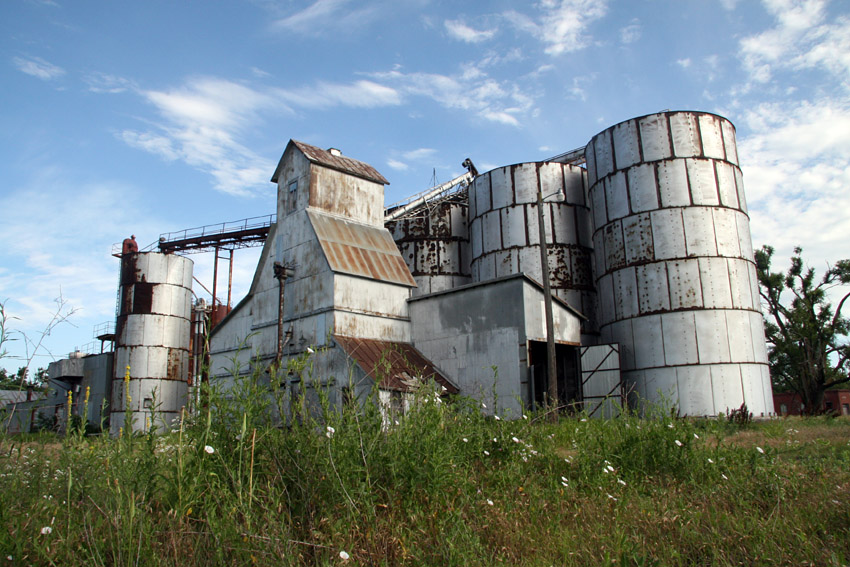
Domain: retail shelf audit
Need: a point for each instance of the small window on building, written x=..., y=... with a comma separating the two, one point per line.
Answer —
x=147, y=403
x=292, y=196
x=783, y=409
x=828, y=405
x=845, y=409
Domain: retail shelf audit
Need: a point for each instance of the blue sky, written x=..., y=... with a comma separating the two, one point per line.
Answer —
x=147, y=117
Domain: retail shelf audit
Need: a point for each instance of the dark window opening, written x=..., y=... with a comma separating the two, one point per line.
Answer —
x=292, y=197
x=568, y=375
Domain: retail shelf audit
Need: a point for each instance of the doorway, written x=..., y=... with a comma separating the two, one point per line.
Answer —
x=568, y=375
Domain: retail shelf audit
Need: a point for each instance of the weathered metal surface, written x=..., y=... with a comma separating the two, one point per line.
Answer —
x=334, y=160
x=360, y=250
x=602, y=388
x=677, y=260
x=393, y=365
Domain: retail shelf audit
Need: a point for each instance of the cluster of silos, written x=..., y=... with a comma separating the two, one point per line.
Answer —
x=675, y=276
x=434, y=242
x=504, y=229
x=152, y=341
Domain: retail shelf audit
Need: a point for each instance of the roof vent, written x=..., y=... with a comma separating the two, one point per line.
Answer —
x=334, y=152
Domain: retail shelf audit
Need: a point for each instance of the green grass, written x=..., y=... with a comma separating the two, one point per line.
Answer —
x=445, y=486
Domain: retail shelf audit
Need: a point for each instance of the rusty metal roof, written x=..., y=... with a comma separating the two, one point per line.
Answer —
x=335, y=161
x=394, y=366
x=360, y=249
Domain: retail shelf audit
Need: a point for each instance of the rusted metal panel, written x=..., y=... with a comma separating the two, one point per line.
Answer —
x=334, y=160
x=393, y=365
x=565, y=223
x=699, y=231
x=597, y=205
x=481, y=187
x=590, y=154
x=513, y=227
x=501, y=188
x=625, y=293
x=575, y=185
x=626, y=147
x=712, y=137
x=702, y=181
x=616, y=196
x=655, y=137
x=684, y=280
x=604, y=158
x=643, y=191
x=680, y=341
x=615, y=251
x=668, y=234
x=686, y=142
x=673, y=183
x=637, y=235
x=653, y=292
x=506, y=262
x=726, y=184
x=491, y=228
x=360, y=250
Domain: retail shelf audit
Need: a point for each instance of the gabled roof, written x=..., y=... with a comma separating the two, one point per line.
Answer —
x=392, y=365
x=360, y=249
x=332, y=161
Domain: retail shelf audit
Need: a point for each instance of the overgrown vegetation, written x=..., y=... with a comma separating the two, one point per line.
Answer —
x=444, y=486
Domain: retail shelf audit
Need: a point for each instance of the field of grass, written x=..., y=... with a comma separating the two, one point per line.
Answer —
x=444, y=486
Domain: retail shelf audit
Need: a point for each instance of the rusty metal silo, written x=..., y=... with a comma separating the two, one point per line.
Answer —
x=152, y=339
x=674, y=262
x=503, y=229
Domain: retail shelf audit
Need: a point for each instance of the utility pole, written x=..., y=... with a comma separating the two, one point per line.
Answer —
x=552, y=397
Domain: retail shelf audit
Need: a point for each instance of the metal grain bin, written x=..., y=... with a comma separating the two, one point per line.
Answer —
x=152, y=339
x=674, y=262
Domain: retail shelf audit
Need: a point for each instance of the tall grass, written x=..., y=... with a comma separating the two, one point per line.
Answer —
x=443, y=486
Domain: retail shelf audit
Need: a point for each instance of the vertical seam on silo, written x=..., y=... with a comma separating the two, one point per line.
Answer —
x=655, y=176
x=716, y=184
x=701, y=148
x=720, y=122
x=639, y=141
x=670, y=136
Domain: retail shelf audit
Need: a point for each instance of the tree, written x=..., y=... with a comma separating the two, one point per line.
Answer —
x=808, y=340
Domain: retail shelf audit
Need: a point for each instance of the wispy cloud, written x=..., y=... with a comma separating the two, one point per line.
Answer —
x=38, y=67
x=631, y=33
x=562, y=24
x=461, y=31
x=397, y=165
x=109, y=84
x=324, y=15
x=801, y=39
x=359, y=94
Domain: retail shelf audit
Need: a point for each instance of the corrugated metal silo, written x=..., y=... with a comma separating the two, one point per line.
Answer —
x=434, y=242
x=152, y=338
x=503, y=230
x=674, y=262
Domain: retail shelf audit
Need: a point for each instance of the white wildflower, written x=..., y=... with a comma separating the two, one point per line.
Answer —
x=760, y=450
x=610, y=468
x=611, y=497
x=489, y=502
x=209, y=449
x=344, y=556
x=724, y=476
x=710, y=460
x=311, y=351
x=583, y=419
x=465, y=440
x=524, y=416
x=696, y=436
x=514, y=439
x=330, y=431
x=487, y=452
x=46, y=530
x=565, y=484
x=670, y=425
x=621, y=481
x=678, y=443
x=483, y=405
x=497, y=418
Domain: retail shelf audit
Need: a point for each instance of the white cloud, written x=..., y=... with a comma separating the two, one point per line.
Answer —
x=562, y=25
x=160, y=145
x=323, y=15
x=109, y=84
x=729, y=5
x=38, y=67
x=419, y=154
x=631, y=33
x=397, y=165
x=684, y=63
x=797, y=172
x=801, y=39
x=360, y=94
x=460, y=31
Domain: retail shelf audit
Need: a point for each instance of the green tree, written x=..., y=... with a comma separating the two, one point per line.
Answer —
x=807, y=340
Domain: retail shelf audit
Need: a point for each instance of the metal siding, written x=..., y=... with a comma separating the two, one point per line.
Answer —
x=597, y=205
x=590, y=156
x=699, y=231
x=605, y=289
x=754, y=394
x=653, y=292
x=655, y=137
x=759, y=344
x=726, y=387
x=740, y=337
x=712, y=138
x=661, y=384
x=574, y=181
x=726, y=232
x=714, y=279
x=492, y=230
x=739, y=182
x=621, y=332
x=513, y=227
x=712, y=336
x=625, y=293
x=739, y=284
x=683, y=126
x=702, y=181
x=501, y=188
x=616, y=196
x=673, y=183
x=604, y=159
x=729, y=141
x=726, y=184
x=615, y=254
x=626, y=147
x=649, y=343
x=565, y=226
x=744, y=237
x=524, y=184
x=637, y=234
x=481, y=186
x=684, y=280
x=668, y=234
x=695, y=391
x=643, y=191
x=680, y=342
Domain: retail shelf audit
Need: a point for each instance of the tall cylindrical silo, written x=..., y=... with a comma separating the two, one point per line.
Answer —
x=675, y=272
x=504, y=236
x=152, y=339
x=434, y=242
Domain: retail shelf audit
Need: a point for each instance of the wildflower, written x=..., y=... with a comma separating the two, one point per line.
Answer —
x=724, y=476
x=487, y=452
x=483, y=405
x=565, y=484
x=330, y=431
x=514, y=439
x=524, y=416
x=497, y=418
x=678, y=443
x=610, y=468
x=710, y=460
x=583, y=419
x=465, y=440
x=344, y=556
x=696, y=436
x=495, y=440
x=489, y=502
x=621, y=481
x=564, y=479
x=9, y=557
x=611, y=497
x=46, y=530
x=670, y=425
x=208, y=449
x=605, y=470
x=760, y=450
